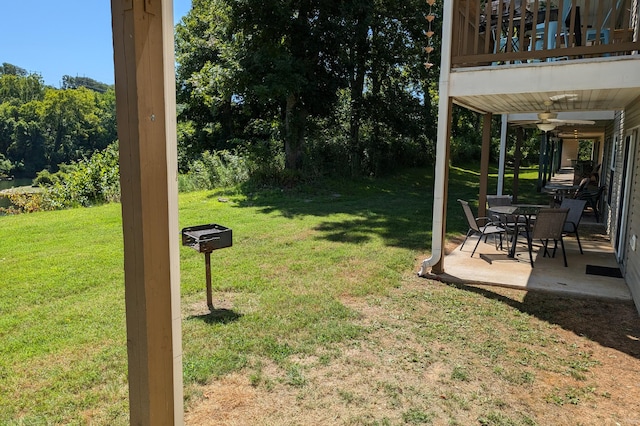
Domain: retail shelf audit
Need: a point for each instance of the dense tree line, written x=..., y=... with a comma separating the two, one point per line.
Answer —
x=302, y=86
x=42, y=127
x=333, y=85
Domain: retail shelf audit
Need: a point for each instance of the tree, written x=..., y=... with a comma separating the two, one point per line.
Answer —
x=72, y=124
x=289, y=56
x=21, y=89
x=69, y=82
x=41, y=127
x=276, y=58
x=349, y=69
x=27, y=148
x=205, y=79
x=10, y=69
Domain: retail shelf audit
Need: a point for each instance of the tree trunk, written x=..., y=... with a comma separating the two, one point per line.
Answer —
x=359, y=57
x=295, y=118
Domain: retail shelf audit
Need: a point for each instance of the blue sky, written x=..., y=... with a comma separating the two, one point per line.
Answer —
x=53, y=38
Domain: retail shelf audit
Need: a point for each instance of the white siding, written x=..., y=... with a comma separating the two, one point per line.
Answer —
x=631, y=260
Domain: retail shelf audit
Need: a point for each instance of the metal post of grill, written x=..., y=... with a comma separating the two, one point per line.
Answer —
x=205, y=239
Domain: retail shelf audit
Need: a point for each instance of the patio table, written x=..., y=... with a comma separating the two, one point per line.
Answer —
x=559, y=192
x=527, y=211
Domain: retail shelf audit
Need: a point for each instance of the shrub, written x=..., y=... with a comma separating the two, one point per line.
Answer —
x=222, y=169
x=90, y=181
x=26, y=202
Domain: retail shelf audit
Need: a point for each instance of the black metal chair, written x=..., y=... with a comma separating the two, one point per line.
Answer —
x=475, y=227
x=592, y=197
x=576, y=207
x=549, y=225
x=497, y=200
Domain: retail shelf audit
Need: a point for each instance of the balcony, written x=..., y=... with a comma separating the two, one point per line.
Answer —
x=521, y=31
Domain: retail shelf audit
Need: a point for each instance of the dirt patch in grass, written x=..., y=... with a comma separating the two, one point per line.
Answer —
x=459, y=355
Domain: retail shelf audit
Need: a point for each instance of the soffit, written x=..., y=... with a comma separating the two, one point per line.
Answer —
x=572, y=85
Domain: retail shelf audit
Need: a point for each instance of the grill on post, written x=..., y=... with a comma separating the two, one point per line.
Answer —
x=205, y=239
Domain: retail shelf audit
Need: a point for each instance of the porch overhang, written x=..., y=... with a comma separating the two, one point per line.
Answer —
x=599, y=84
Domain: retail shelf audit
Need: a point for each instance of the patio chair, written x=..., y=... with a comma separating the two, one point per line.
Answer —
x=498, y=200
x=592, y=197
x=549, y=225
x=475, y=227
x=582, y=186
x=507, y=222
x=576, y=208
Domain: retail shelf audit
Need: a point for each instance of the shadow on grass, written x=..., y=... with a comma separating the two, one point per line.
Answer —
x=397, y=208
x=217, y=316
x=610, y=323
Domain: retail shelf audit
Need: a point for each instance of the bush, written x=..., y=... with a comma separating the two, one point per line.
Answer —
x=222, y=169
x=87, y=182
x=6, y=167
x=26, y=202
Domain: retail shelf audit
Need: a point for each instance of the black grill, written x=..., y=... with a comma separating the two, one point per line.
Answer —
x=205, y=239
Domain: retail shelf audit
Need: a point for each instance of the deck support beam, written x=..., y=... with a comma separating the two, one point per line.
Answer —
x=485, y=153
x=146, y=114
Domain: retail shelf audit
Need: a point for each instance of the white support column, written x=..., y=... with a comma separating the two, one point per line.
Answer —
x=442, y=146
x=503, y=149
x=146, y=112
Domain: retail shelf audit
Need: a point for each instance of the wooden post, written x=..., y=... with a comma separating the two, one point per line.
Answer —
x=484, y=164
x=516, y=163
x=146, y=108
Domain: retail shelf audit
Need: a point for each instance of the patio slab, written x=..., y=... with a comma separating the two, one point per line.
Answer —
x=491, y=266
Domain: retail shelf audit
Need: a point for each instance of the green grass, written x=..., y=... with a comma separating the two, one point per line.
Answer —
x=62, y=319
x=280, y=289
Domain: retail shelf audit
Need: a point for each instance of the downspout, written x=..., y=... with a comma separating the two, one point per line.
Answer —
x=442, y=141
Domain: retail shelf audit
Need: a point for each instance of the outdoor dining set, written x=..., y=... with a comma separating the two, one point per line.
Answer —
x=540, y=225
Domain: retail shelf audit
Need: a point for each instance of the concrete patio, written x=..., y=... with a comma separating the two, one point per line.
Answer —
x=491, y=266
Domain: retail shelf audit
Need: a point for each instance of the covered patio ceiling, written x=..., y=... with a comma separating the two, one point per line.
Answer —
x=522, y=109
x=590, y=86
x=595, y=101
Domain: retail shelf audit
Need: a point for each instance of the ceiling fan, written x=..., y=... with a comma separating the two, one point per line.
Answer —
x=548, y=120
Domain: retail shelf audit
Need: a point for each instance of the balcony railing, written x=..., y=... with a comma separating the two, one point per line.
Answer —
x=522, y=31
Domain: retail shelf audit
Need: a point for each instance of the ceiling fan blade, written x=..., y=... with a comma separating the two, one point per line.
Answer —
x=567, y=96
x=523, y=122
x=555, y=120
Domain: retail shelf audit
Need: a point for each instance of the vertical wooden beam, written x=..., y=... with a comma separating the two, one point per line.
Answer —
x=504, y=133
x=516, y=163
x=146, y=108
x=484, y=164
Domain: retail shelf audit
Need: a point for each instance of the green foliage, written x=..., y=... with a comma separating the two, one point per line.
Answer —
x=341, y=85
x=25, y=202
x=87, y=182
x=221, y=169
x=10, y=69
x=5, y=166
x=585, y=150
x=69, y=82
x=41, y=127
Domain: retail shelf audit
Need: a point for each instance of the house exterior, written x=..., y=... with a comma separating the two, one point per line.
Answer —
x=577, y=61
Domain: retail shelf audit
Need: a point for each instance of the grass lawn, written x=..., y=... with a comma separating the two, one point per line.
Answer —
x=319, y=319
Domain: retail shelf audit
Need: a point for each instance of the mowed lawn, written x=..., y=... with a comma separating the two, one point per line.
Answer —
x=62, y=318
x=291, y=298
